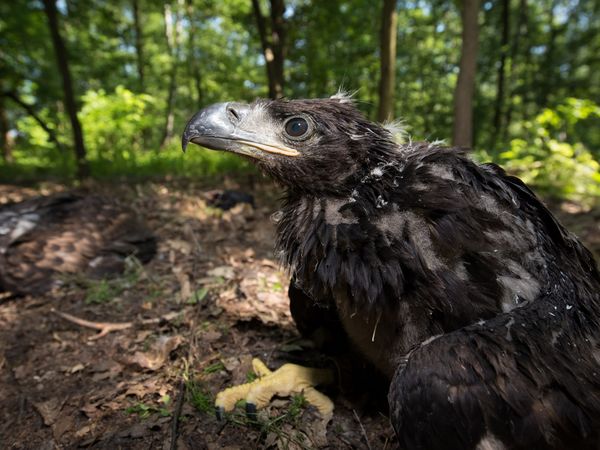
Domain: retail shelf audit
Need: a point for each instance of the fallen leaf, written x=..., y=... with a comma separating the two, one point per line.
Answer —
x=211, y=336
x=231, y=363
x=180, y=245
x=157, y=356
x=226, y=272
x=77, y=368
x=50, y=410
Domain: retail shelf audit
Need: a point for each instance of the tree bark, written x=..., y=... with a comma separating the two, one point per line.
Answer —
x=139, y=44
x=548, y=74
x=463, y=95
x=521, y=29
x=172, y=24
x=193, y=59
x=274, y=46
x=31, y=111
x=62, y=60
x=387, y=80
x=501, y=76
x=6, y=141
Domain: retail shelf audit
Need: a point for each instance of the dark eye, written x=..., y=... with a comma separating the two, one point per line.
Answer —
x=296, y=127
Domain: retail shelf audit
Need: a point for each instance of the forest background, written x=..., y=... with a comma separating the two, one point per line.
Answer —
x=102, y=89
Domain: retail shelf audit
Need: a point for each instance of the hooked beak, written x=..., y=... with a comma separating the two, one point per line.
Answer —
x=217, y=127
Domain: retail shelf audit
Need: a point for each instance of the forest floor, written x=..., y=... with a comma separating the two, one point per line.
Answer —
x=212, y=298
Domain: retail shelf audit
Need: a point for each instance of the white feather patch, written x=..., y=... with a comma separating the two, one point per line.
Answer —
x=343, y=96
x=398, y=129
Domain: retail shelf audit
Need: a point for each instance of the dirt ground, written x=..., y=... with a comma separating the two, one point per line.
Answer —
x=191, y=321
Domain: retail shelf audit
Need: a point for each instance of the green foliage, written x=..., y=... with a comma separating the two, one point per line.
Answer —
x=101, y=292
x=551, y=155
x=215, y=367
x=277, y=425
x=144, y=411
x=105, y=290
x=114, y=124
x=199, y=397
x=198, y=296
x=122, y=80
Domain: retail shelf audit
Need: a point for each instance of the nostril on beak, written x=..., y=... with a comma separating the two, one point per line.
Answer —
x=234, y=116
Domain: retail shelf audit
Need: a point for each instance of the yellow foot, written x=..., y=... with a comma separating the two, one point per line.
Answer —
x=287, y=380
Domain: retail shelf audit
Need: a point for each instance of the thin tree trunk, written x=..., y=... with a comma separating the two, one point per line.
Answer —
x=500, y=86
x=63, y=66
x=547, y=75
x=31, y=111
x=387, y=79
x=463, y=95
x=273, y=47
x=512, y=75
x=139, y=44
x=5, y=138
x=193, y=59
x=172, y=24
x=278, y=41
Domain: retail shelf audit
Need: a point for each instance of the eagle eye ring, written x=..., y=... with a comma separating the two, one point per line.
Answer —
x=297, y=127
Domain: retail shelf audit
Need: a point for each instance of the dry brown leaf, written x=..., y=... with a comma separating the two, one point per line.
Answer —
x=185, y=285
x=76, y=368
x=226, y=272
x=211, y=336
x=49, y=410
x=63, y=423
x=180, y=246
x=230, y=363
x=157, y=356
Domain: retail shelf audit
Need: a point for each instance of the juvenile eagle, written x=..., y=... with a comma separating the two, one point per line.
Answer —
x=452, y=278
x=43, y=237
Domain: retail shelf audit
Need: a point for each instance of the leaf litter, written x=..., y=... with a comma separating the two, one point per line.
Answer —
x=183, y=328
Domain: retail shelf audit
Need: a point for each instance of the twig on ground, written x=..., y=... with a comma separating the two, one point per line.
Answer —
x=177, y=414
x=107, y=327
x=362, y=429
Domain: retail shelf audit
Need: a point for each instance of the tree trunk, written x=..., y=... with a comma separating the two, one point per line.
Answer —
x=172, y=32
x=548, y=74
x=521, y=29
x=278, y=41
x=31, y=111
x=465, y=85
x=62, y=60
x=5, y=138
x=273, y=47
x=387, y=44
x=139, y=44
x=192, y=57
x=500, y=82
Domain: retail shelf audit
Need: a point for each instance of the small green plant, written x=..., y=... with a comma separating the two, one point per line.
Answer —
x=199, y=397
x=278, y=425
x=144, y=411
x=101, y=291
x=198, y=296
x=298, y=403
x=105, y=290
x=166, y=401
x=250, y=376
x=215, y=367
x=277, y=286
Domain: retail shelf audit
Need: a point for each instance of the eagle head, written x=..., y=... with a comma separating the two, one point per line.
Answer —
x=319, y=145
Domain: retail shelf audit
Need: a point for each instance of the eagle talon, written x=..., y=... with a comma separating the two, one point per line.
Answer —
x=251, y=411
x=289, y=379
x=219, y=413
